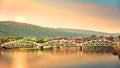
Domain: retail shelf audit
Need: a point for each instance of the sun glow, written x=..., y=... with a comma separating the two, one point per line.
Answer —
x=20, y=19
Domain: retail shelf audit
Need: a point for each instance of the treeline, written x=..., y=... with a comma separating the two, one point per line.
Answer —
x=9, y=39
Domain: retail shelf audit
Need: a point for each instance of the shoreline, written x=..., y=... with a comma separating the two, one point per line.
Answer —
x=117, y=49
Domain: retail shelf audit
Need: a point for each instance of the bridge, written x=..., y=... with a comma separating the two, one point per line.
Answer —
x=20, y=44
x=29, y=44
x=100, y=43
x=56, y=43
x=60, y=43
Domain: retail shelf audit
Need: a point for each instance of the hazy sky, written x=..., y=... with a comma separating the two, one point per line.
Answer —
x=98, y=15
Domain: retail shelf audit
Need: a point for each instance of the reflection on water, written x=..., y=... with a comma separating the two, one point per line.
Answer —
x=65, y=57
x=119, y=57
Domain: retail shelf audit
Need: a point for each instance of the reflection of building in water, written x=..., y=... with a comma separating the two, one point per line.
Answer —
x=97, y=48
x=3, y=57
x=77, y=50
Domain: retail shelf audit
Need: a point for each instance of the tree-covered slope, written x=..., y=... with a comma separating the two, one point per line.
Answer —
x=16, y=29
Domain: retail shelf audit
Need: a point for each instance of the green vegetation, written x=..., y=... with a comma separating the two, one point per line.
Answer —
x=14, y=29
x=37, y=40
x=119, y=37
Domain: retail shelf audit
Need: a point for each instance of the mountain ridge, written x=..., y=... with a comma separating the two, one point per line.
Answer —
x=19, y=29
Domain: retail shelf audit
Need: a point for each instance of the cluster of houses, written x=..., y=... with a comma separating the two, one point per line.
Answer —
x=80, y=40
x=101, y=40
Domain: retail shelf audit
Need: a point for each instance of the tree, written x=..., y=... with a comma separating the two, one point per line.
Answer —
x=119, y=37
x=46, y=40
x=93, y=37
x=111, y=38
x=1, y=40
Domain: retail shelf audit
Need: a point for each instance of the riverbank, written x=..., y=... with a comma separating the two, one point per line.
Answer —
x=117, y=49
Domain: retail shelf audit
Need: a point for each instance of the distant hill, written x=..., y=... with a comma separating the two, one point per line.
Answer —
x=17, y=29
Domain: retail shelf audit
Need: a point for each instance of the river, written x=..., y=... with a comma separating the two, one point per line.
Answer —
x=66, y=57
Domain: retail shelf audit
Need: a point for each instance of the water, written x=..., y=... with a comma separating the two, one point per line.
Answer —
x=66, y=57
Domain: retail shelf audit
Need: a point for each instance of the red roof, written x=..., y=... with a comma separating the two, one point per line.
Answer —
x=78, y=39
x=61, y=38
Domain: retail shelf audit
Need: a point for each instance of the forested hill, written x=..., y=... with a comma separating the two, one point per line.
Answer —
x=16, y=29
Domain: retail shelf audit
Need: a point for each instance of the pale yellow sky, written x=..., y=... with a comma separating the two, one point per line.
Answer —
x=62, y=15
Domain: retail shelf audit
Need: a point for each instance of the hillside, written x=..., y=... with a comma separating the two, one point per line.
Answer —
x=16, y=29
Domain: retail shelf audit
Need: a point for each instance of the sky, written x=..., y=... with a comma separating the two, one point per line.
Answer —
x=97, y=15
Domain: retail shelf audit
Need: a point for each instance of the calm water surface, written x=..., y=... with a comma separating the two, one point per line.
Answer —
x=65, y=57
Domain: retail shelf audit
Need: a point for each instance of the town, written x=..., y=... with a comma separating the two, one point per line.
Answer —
x=42, y=43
